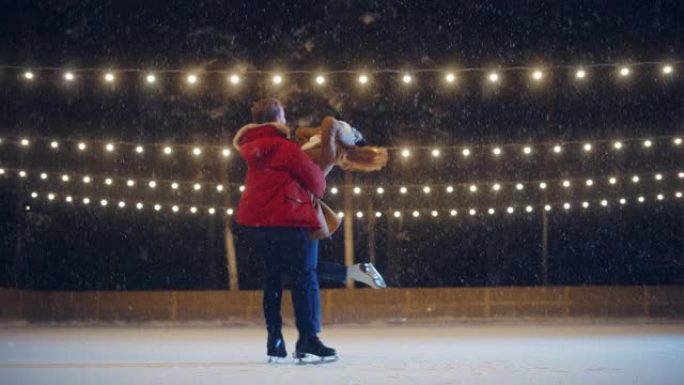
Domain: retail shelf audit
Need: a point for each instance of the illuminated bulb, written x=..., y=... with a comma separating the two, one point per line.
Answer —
x=277, y=79
x=647, y=143
x=624, y=71
x=635, y=179
x=510, y=210
x=122, y=204
x=81, y=146
x=167, y=150
x=152, y=184
x=363, y=79
x=86, y=179
x=566, y=183
x=659, y=177
x=150, y=78
x=157, y=207
x=234, y=79
x=426, y=189
x=197, y=186
x=580, y=74
x=450, y=77
x=359, y=214
x=496, y=151
x=174, y=208
x=34, y=195
x=109, y=147
x=493, y=77
x=415, y=214
x=193, y=209
x=378, y=214
x=211, y=211
x=473, y=188
x=219, y=187
x=139, y=149
x=407, y=79
x=453, y=213
x=380, y=190
x=174, y=186
x=25, y=142
x=527, y=150
x=660, y=197
x=585, y=204
x=450, y=189
x=472, y=212
x=491, y=211
x=191, y=79
x=403, y=190
x=587, y=147
x=519, y=186
x=547, y=207
x=612, y=180
x=103, y=202
x=333, y=190
x=109, y=181
x=590, y=182
x=405, y=153
x=641, y=199
x=434, y=213
x=557, y=149
x=229, y=211
x=340, y=214
x=435, y=153
x=397, y=214
x=2, y=171
x=22, y=174
x=357, y=190
x=667, y=69
x=197, y=151
x=680, y=175
x=130, y=183
x=69, y=76
x=86, y=201
x=537, y=75
x=28, y=75
x=604, y=203
x=139, y=206
x=242, y=188
x=109, y=77
x=225, y=152
x=43, y=176
x=54, y=144
x=529, y=209
x=466, y=152
x=677, y=141
x=678, y=194
x=496, y=187
x=566, y=206
x=623, y=201
x=617, y=145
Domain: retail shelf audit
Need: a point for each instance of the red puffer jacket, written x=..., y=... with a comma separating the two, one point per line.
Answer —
x=280, y=179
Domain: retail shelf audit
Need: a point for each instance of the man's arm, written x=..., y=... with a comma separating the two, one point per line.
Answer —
x=304, y=169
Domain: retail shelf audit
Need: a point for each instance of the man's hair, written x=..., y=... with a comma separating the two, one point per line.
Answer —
x=265, y=110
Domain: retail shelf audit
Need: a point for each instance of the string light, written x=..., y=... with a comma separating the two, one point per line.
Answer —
x=363, y=79
x=211, y=211
x=130, y=183
x=407, y=79
x=357, y=190
x=617, y=145
x=641, y=199
x=566, y=206
x=197, y=151
x=415, y=214
x=333, y=190
x=496, y=187
x=28, y=75
x=403, y=190
x=168, y=150
x=193, y=210
x=453, y=212
x=81, y=146
x=625, y=71
x=466, y=152
x=139, y=206
x=380, y=190
x=277, y=79
x=86, y=201
x=397, y=214
x=435, y=153
x=473, y=188
x=585, y=204
x=589, y=182
x=157, y=207
x=109, y=147
x=426, y=189
x=677, y=141
x=648, y=143
x=542, y=185
x=491, y=211
x=547, y=207
x=54, y=144
x=449, y=189
x=139, y=149
x=152, y=184
x=635, y=179
x=174, y=186
x=197, y=186
x=557, y=149
x=25, y=142
x=493, y=77
x=242, y=188
x=496, y=151
x=580, y=74
x=566, y=183
x=378, y=214
x=22, y=174
x=109, y=77
x=104, y=202
x=537, y=75
x=587, y=147
x=472, y=212
x=612, y=180
x=86, y=179
x=529, y=209
x=340, y=214
x=219, y=188
x=69, y=76
x=109, y=181
x=43, y=176
x=659, y=177
x=225, y=152
x=150, y=78
x=359, y=214
x=191, y=79
x=527, y=150
x=405, y=153
x=122, y=204
x=450, y=77
x=510, y=210
x=667, y=69
x=434, y=213
x=604, y=203
x=234, y=79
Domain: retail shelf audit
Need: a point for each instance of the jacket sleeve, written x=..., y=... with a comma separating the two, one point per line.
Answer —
x=304, y=169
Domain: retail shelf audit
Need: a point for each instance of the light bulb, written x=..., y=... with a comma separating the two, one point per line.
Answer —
x=139, y=149
x=617, y=145
x=426, y=189
x=150, y=78
x=537, y=75
x=473, y=188
x=380, y=190
x=667, y=69
x=453, y=213
x=580, y=74
x=519, y=186
x=277, y=79
x=493, y=77
x=54, y=144
x=557, y=149
x=403, y=190
x=333, y=190
x=191, y=79
x=152, y=184
x=197, y=186
x=435, y=153
x=397, y=214
x=357, y=190
x=109, y=147
x=234, y=79
x=466, y=152
x=225, y=152
x=405, y=153
x=529, y=209
x=407, y=79
x=527, y=150
x=363, y=79
x=174, y=186
x=624, y=71
x=109, y=77
x=219, y=187
x=587, y=147
x=415, y=214
x=450, y=189
x=69, y=76
x=81, y=146
x=450, y=77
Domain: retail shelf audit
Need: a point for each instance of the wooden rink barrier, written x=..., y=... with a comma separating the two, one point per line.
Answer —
x=341, y=306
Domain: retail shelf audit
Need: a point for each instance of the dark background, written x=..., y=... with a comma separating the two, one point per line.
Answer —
x=60, y=247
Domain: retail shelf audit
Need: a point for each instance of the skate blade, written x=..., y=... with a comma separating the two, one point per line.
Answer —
x=310, y=359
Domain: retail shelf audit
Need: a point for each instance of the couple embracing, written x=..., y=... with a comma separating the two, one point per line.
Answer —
x=281, y=210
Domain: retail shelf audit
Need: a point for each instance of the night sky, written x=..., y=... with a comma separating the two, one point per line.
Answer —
x=60, y=246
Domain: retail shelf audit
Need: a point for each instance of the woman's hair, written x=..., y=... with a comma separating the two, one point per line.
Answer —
x=266, y=110
x=364, y=158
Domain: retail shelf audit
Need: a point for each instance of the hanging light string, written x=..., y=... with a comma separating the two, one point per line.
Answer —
x=469, y=187
x=525, y=149
x=564, y=205
x=537, y=72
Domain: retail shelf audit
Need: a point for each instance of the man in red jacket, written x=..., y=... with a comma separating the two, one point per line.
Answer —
x=277, y=209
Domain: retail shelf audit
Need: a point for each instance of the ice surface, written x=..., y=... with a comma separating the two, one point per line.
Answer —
x=447, y=354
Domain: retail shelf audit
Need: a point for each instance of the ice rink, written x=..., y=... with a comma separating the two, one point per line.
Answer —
x=557, y=353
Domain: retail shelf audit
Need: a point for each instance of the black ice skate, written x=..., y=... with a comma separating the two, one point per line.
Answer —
x=310, y=350
x=275, y=347
x=366, y=273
